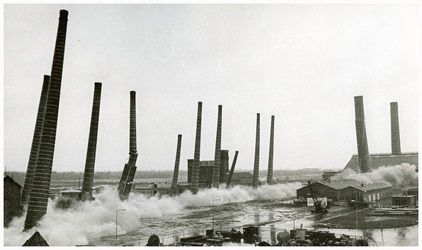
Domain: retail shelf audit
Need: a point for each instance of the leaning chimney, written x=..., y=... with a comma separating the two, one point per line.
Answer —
x=229, y=179
x=196, y=158
x=270, y=180
x=92, y=145
x=35, y=141
x=216, y=168
x=255, y=179
x=176, y=165
x=126, y=181
x=38, y=199
x=395, y=131
x=363, y=152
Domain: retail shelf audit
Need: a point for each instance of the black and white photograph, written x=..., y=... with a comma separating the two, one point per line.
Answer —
x=236, y=124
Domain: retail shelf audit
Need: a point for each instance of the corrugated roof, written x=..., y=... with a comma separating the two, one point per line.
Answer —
x=340, y=184
x=372, y=186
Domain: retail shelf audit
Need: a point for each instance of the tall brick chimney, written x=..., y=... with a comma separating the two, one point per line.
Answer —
x=363, y=152
x=196, y=158
x=395, y=131
x=128, y=174
x=35, y=141
x=255, y=179
x=92, y=145
x=229, y=179
x=216, y=168
x=38, y=199
x=270, y=180
x=176, y=165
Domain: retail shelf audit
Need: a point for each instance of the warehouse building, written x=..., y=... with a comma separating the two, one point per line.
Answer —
x=347, y=190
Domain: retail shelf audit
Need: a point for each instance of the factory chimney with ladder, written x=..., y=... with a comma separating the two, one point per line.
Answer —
x=363, y=152
x=126, y=181
x=395, y=131
x=255, y=178
x=216, y=168
x=196, y=157
x=92, y=145
x=35, y=141
x=270, y=180
x=37, y=205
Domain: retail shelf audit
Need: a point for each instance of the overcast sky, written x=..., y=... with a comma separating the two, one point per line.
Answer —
x=302, y=63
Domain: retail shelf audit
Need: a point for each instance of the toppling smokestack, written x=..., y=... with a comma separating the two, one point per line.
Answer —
x=92, y=145
x=270, y=180
x=173, y=187
x=35, y=141
x=255, y=180
x=395, y=131
x=216, y=168
x=196, y=157
x=363, y=152
x=126, y=181
x=38, y=199
x=229, y=179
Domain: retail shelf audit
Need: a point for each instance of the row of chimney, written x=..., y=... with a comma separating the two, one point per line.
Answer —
x=38, y=177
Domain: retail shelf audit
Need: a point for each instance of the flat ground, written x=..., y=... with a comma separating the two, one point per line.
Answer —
x=359, y=219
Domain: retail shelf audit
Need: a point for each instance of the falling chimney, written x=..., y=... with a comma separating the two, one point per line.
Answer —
x=395, y=131
x=92, y=145
x=37, y=205
x=35, y=141
x=196, y=158
x=270, y=180
x=176, y=165
x=126, y=181
x=255, y=180
x=363, y=152
x=216, y=168
x=229, y=179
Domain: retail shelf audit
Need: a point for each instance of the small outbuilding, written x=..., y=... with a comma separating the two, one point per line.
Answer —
x=12, y=200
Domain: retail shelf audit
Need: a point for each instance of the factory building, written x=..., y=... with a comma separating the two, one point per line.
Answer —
x=378, y=160
x=346, y=190
x=12, y=200
x=206, y=169
x=242, y=178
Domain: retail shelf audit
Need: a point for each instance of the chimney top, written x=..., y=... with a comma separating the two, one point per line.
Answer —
x=63, y=14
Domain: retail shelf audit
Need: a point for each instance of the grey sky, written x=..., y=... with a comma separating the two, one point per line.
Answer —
x=301, y=63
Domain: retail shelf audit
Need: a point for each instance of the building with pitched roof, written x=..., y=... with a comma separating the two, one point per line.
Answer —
x=347, y=190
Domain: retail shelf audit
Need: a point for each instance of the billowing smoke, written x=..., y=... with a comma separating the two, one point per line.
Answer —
x=93, y=219
x=398, y=176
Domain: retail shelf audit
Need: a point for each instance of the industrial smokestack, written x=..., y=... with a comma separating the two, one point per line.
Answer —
x=176, y=165
x=395, y=131
x=37, y=205
x=126, y=181
x=229, y=179
x=255, y=179
x=363, y=152
x=216, y=169
x=35, y=141
x=270, y=180
x=92, y=145
x=196, y=158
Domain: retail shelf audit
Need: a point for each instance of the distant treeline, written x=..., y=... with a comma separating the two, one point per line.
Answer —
x=113, y=175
